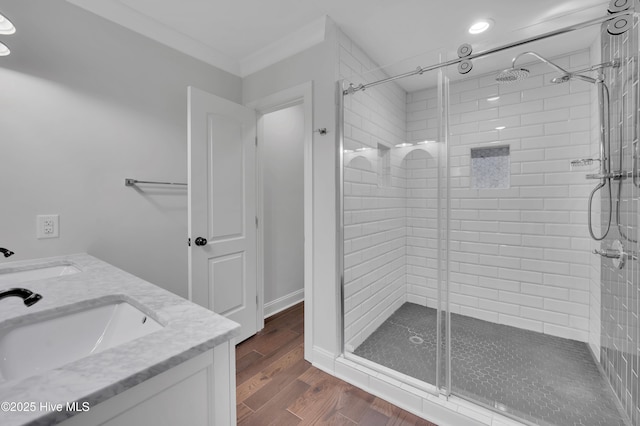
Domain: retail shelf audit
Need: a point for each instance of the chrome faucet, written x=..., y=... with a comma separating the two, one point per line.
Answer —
x=27, y=296
x=6, y=252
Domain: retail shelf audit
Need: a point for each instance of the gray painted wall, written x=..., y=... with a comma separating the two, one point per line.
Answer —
x=317, y=64
x=86, y=103
x=283, y=183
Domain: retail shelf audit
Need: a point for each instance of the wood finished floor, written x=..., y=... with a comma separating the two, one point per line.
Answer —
x=276, y=386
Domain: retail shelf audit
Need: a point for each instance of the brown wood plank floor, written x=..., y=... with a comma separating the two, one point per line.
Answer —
x=276, y=386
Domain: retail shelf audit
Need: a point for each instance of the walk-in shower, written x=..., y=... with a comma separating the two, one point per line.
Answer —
x=478, y=260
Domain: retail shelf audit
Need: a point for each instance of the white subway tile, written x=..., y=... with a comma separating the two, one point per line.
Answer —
x=545, y=291
x=571, y=256
x=521, y=299
x=566, y=332
x=545, y=92
x=565, y=282
x=546, y=266
x=463, y=299
x=547, y=191
x=520, y=275
x=524, y=252
x=479, y=313
x=522, y=131
x=545, y=216
x=499, y=307
x=569, y=126
x=577, y=309
x=524, y=323
x=499, y=284
x=544, y=316
x=500, y=261
x=566, y=101
x=544, y=117
x=521, y=204
x=481, y=116
x=546, y=241
x=544, y=166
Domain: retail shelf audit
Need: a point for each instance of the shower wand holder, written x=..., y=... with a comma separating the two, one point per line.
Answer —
x=611, y=175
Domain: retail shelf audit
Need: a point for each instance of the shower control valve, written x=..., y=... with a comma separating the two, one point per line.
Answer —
x=617, y=254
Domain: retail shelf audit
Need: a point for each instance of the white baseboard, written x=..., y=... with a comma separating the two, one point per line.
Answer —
x=323, y=360
x=282, y=303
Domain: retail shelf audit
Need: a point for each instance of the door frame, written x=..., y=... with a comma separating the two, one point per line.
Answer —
x=298, y=95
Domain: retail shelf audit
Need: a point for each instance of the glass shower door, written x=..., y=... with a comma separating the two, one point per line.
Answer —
x=522, y=277
x=393, y=276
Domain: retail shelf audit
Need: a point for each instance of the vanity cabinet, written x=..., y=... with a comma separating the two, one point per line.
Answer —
x=199, y=392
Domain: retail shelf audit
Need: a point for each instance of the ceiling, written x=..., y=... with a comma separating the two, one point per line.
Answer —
x=242, y=36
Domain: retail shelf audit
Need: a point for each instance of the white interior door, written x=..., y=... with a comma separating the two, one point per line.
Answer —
x=222, y=208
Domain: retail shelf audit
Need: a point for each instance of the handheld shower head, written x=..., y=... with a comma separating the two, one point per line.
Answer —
x=562, y=79
x=511, y=75
x=570, y=76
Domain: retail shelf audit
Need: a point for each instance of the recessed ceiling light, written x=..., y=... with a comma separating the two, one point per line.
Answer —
x=480, y=26
x=402, y=145
x=425, y=142
x=6, y=27
x=501, y=127
x=4, y=50
x=492, y=99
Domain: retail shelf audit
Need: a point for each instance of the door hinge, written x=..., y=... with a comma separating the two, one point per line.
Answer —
x=256, y=221
x=256, y=300
x=189, y=242
x=256, y=141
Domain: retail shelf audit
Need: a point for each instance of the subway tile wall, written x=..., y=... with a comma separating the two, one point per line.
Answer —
x=374, y=200
x=620, y=335
x=521, y=255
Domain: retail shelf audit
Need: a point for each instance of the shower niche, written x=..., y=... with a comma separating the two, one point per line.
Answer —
x=468, y=265
x=490, y=167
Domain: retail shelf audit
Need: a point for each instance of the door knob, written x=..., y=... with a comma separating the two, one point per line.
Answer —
x=201, y=241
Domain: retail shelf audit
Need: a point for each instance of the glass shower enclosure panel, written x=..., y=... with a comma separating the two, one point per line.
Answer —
x=523, y=136
x=481, y=204
x=392, y=222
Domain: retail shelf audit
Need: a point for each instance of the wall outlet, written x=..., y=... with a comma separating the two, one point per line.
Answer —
x=47, y=226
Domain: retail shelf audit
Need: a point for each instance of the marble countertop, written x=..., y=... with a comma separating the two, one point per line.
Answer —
x=188, y=330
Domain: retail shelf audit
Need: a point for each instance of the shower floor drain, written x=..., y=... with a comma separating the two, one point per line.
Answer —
x=416, y=340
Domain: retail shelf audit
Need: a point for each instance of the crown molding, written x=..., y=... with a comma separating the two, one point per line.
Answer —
x=127, y=17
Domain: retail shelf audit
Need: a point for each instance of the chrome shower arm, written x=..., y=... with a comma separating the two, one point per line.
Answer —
x=546, y=61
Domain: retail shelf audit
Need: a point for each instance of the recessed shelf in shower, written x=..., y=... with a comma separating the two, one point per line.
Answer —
x=490, y=167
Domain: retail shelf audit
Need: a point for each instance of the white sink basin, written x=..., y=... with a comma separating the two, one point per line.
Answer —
x=15, y=277
x=33, y=348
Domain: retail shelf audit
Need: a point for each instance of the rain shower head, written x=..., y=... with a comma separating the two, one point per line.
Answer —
x=511, y=75
x=514, y=74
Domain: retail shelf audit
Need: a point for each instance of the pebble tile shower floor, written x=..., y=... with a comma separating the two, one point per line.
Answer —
x=543, y=379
